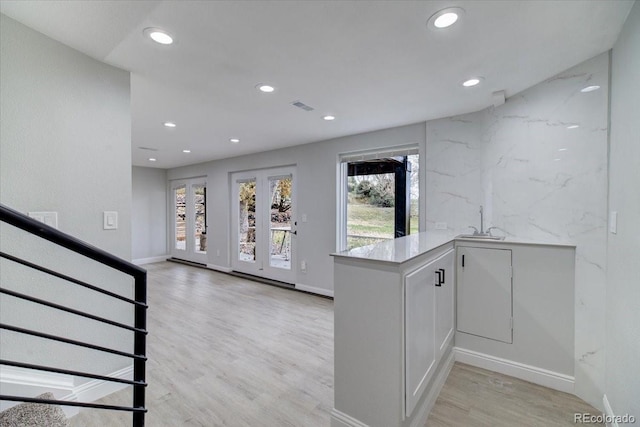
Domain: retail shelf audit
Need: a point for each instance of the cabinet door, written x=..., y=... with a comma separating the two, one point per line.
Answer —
x=420, y=352
x=445, y=301
x=484, y=303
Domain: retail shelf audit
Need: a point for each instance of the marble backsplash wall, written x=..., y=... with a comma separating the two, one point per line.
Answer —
x=538, y=165
x=454, y=172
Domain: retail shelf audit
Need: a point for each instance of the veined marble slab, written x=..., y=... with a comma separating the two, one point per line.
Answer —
x=403, y=249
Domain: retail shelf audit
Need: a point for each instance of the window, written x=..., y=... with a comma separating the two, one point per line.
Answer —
x=378, y=196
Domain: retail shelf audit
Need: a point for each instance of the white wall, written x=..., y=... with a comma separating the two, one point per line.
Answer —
x=505, y=159
x=149, y=213
x=623, y=269
x=64, y=146
x=316, y=173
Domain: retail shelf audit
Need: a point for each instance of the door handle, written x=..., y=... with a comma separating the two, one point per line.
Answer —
x=439, y=278
x=295, y=232
x=442, y=277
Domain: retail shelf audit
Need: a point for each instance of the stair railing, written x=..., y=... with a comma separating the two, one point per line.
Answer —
x=139, y=275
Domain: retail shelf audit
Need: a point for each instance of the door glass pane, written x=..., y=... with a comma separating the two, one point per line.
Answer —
x=414, y=221
x=280, y=211
x=180, y=204
x=200, y=211
x=247, y=221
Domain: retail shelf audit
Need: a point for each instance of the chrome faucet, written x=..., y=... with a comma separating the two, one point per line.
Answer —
x=481, y=232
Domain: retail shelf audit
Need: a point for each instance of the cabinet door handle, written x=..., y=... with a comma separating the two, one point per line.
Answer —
x=463, y=260
x=442, y=277
x=438, y=278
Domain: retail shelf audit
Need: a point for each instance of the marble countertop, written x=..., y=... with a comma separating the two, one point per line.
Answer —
x=405, y=248
x=399, y=250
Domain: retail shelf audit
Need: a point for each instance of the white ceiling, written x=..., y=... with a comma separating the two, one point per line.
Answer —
x=372, y=64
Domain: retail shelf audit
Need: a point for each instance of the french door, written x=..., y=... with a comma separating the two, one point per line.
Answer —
x=189, y=220
x=264, y=224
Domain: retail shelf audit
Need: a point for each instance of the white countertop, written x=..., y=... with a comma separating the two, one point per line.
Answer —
x=403, y=249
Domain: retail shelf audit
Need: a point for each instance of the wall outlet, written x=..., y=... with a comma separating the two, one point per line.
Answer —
x=49, y=218
x=218, y=252
x=303, y=265
x=441, y=225
x=304, y=217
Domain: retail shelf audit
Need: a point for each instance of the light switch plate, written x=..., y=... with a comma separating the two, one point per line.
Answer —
x=49, y=218
x=110, y=219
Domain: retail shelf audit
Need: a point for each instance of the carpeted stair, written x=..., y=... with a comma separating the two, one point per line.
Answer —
x=34, y=415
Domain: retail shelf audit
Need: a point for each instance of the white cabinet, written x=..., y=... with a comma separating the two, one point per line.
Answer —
x=429, y=323
x=484, y=293
x=445, y=303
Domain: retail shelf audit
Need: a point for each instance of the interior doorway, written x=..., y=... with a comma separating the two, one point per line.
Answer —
x=264, y=223
x=189, y=220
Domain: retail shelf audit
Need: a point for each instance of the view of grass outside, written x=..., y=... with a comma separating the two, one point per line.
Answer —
x=370, y=207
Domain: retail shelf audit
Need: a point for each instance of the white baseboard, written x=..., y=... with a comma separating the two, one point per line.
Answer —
x=340, y=419
x=96, y=389
x=315, y=290
x=29, y=382
x=219, y=268
x=543, y=377
x=142, y=261
x=608, y=412
x=424, y=410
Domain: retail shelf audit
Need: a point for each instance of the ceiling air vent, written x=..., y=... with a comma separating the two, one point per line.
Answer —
x=148, y=149
x=304, y=106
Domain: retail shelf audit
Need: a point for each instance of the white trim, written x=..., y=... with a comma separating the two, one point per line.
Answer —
x=608, y=412
x=219, y=268
x=422, y=414
x=96, y=389
x=340, y=419
x=315, y=290
x=540, y=376
x=29, y=382
x=142, y=261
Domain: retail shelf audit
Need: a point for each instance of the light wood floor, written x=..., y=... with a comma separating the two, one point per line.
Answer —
x=474, y=397
x=225, y=351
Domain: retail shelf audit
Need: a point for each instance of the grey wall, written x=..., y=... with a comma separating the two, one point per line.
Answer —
x=623, y=269
x=149, y=213
x=316, y=173
x=64, y=146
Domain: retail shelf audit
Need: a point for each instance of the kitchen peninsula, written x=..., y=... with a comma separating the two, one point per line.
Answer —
x=407, y=308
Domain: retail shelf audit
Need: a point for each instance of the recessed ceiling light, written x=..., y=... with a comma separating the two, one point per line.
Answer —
x=589, y=89
x=573, y=127
x=265, y=88
x=562, y=149
x=445, y=18
x=169, y=124
x=329, y=118
x=151, y=159
x=556, y=160
x=472, y=82
x=234, y=140
x=158, y=35
x=186, y=151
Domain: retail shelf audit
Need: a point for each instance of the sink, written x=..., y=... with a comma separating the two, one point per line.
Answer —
x=479, y=237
